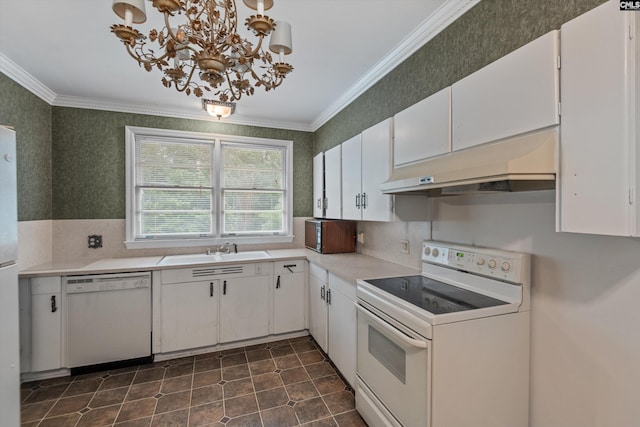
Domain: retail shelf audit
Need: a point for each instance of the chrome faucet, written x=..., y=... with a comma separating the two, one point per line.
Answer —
x=226, y=248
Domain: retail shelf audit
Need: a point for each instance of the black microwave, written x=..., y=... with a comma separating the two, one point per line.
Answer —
x=330, y=236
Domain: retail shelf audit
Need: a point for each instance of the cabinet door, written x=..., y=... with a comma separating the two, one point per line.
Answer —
x=318, y=311
x=189, y=315
x=46, y=337
x=423, y=130
x=332, y=183
x=244, y=308
x=376, y=168
x=318, y=186
x=342, y=327
x=352, y=178
x=595, y=150
x=288, y=297
x=518, y=93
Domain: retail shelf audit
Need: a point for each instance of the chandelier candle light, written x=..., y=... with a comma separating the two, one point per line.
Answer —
x=206, y=53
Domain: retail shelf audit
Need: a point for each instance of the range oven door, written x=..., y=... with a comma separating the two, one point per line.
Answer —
x=394, y=363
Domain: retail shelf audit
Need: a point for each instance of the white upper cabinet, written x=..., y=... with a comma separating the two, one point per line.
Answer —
x=518, y=93
x=598, y=154
x=423, y=130
x=366, y=163
x=332, y=183
x=318, y=186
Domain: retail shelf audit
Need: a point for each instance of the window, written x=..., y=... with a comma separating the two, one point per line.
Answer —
x=188, y=189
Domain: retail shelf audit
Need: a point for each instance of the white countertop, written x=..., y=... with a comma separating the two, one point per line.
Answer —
x=350, y=266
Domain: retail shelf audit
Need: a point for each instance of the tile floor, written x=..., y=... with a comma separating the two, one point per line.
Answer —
x=282, y=383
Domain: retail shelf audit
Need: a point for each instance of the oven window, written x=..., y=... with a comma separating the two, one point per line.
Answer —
x=388, y=353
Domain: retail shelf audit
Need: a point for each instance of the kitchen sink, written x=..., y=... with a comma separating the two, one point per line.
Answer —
x=214, y=257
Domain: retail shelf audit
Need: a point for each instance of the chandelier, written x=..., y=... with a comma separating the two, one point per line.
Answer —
x=205, y=52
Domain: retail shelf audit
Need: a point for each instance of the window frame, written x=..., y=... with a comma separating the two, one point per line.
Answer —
x=132, y=241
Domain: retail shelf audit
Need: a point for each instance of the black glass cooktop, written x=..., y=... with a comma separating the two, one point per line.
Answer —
x=433, y=296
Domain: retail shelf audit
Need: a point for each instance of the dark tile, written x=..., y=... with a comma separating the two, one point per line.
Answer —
x=229, y=351
x=144, y=390
x=69, y=420
x=81, y=387
x=123, y=370
x=233, y=360
x=99, y=417
x=262, y=346
x=117, y=381
x=287, y=362
x=252, y=420
x=294, y=375
x=309, y=357
x=35, y=411
x=140, y=422
x=207, y=365
x=350, y=419
x=262, y=367
x=321, y=369
x=242, y=405
x=55, y=381
x=174, y=385
x=46, y=393
x=181, y=360
x=235, y=372
x=207, y=378
x=89, y=376
x=30, y=424
x=143, y=408
x=173, y=402
x=283, y=416
x=208, y=394
x=310, y=410
x=148, y=375
x=283, y=350
x=279, y=343
x=272, y=398
x=325, y=422
x=254, y=356
x=108, y=397
x=211, y=355
x=330, y=384
x=171, y=419
x=302, y=346
x=179, y=370
x=206, y=414
x=302, y=391
x=70, y=404
x=238, y=388
x=339, y=402
x=267, y=381
x=303, y=338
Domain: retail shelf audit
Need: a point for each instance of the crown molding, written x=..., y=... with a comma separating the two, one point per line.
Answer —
x=238, y=119
x=26, y=80
x=428, y=29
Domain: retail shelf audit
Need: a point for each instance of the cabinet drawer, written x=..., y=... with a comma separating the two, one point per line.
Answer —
x=318, y=272
x=293, y=266
x=45, y=285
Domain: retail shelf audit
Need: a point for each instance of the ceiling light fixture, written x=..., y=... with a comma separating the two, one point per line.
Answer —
x=218, y=109
x=207, y=46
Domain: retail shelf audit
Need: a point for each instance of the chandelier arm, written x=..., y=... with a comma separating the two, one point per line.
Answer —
x=270, y=83
x=234, y=96
x=143, y=57
x=187, y=83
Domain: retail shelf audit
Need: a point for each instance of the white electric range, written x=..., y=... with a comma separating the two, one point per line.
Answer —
x=448, y=347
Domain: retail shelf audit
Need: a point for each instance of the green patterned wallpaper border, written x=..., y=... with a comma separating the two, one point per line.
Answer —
x=488, y=31
x=89, y=159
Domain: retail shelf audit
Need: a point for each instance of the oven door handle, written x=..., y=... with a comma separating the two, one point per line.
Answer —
x=396, y=332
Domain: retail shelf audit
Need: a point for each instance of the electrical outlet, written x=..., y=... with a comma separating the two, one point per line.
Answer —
x=404, y=246
x=95, y=241
x=361, y=238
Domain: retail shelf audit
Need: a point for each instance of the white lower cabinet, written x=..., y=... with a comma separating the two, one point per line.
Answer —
x=332, y=318
x=189, y=315
x=244, y=308
x=289, y=308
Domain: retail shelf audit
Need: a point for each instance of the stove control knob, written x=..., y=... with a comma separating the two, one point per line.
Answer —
x=435, y=252
x=480, y=261
x=492, y=263
x=506, y=266
x=427, y=250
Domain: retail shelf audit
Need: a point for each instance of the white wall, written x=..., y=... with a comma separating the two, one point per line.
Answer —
x=585, y=333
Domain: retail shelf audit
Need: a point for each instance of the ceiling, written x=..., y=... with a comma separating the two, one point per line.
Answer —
x=64, y=52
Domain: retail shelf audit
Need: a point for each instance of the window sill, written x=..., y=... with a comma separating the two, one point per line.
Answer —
x=183, y=243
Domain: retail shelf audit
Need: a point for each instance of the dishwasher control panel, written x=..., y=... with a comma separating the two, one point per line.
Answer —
x=107, y=282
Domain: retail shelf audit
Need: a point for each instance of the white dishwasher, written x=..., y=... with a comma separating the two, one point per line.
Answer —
x=108, y=319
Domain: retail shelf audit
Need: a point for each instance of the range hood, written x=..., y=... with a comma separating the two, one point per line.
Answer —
x=523, y=163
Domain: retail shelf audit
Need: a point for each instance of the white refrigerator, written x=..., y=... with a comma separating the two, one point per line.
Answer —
x=9, y=312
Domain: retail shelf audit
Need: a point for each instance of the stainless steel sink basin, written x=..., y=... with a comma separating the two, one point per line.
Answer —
x=219, y=257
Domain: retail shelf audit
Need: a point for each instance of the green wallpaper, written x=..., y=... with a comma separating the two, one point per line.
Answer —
x=487, y=32
x=89, y=159
x=31, y=118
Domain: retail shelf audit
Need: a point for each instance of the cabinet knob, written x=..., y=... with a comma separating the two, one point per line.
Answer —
x=224, y=288
x=211, y=289
x=322, y=293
